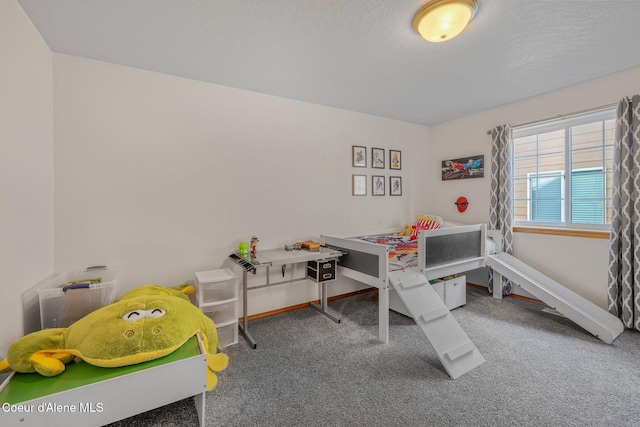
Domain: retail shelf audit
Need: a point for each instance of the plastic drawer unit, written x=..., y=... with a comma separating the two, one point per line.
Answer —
x=227, y=335
x=322, y=270
x=217, y=297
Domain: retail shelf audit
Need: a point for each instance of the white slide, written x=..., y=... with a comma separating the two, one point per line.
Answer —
x=455, y=350
x=578, y=309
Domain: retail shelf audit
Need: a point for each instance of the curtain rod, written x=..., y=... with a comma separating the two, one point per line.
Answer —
x=563, y=116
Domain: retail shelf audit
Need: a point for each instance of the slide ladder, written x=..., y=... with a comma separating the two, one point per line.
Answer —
x=578, y=309
x=455, y=350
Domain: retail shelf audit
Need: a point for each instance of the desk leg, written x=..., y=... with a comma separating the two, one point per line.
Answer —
x=383, y=314
x=244, y=326
x=322, y=307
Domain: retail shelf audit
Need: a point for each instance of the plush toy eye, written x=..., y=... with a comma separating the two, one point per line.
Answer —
x=156, y=312
x=132, y=316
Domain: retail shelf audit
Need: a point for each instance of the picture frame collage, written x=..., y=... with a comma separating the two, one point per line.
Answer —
x=379, y=160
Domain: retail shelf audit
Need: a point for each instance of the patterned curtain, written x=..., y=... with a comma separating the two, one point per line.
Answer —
x=624, y=249
x=501, y=206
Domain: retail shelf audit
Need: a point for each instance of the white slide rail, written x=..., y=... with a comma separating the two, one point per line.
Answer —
x=578, y=309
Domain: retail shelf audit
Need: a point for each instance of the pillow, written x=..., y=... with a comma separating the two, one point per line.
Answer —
x=432, y=217
x=425, y=222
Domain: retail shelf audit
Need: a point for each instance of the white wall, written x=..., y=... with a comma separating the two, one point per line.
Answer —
x=579, y=263
x=166, y=176
x=26, y=164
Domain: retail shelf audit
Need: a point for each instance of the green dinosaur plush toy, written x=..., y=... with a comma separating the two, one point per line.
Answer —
x=148, y=322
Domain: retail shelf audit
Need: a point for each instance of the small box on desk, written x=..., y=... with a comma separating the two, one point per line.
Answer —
x=311, y=245
x=321, y=271
x=69, y=296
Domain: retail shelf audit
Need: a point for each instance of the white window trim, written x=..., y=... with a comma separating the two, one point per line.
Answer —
x=567, y=122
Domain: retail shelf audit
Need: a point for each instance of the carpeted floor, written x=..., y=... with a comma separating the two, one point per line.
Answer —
x=541, y=370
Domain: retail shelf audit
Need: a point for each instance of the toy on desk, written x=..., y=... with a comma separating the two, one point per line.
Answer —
x=148, y=322
x=254, y=246
x=243, y=249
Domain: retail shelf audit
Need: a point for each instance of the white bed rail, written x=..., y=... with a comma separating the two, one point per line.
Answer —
x=363, y=261
x=451, y=250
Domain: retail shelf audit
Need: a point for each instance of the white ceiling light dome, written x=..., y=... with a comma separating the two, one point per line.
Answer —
x=442, y=20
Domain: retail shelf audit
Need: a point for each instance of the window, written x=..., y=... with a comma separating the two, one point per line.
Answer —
x=544, y=193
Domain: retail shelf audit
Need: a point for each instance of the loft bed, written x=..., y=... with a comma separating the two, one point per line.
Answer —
x=453, y=249
x=440, y=252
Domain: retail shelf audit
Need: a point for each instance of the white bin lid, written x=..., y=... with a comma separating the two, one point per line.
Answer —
x=213, y=276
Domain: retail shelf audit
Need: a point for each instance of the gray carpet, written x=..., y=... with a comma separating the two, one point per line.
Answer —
x=541, y=370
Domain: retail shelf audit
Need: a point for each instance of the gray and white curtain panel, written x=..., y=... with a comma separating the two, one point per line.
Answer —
x=500, y=208
x=624, y=245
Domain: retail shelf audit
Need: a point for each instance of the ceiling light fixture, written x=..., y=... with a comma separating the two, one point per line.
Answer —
x=442, y=20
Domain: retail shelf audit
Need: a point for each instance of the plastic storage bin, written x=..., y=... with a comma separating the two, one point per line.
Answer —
x=452, y=291
x=217, y=297
x=216, y=286
x=69, y=296
x=222, y=314
x=227, y=335
x=438, y=286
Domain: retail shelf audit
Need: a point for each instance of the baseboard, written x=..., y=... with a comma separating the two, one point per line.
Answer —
x=362, y=291
x=522, y=297
x=306, y=304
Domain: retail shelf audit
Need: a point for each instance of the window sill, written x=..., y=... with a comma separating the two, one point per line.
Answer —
x=592, y=234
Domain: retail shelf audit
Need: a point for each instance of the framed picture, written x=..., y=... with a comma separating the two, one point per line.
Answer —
x=465, y=167
x=359, y=185
x=395, y=159
x=377, y=158
x=377, y=185
x=359, y=156
x=395, y=185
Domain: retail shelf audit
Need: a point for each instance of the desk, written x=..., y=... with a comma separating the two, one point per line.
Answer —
x=281, y=258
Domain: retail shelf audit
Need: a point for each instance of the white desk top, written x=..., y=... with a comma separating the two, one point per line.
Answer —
x=274, y=257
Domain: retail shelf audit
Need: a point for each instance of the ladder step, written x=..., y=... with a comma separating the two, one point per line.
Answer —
x=412, y=282
x=432, y=315
x=460, y=350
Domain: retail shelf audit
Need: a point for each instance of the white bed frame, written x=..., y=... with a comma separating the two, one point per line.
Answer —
x=368, y=262
x=454, y=249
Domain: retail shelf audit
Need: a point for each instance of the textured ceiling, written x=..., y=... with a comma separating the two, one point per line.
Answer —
x=359, y=55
